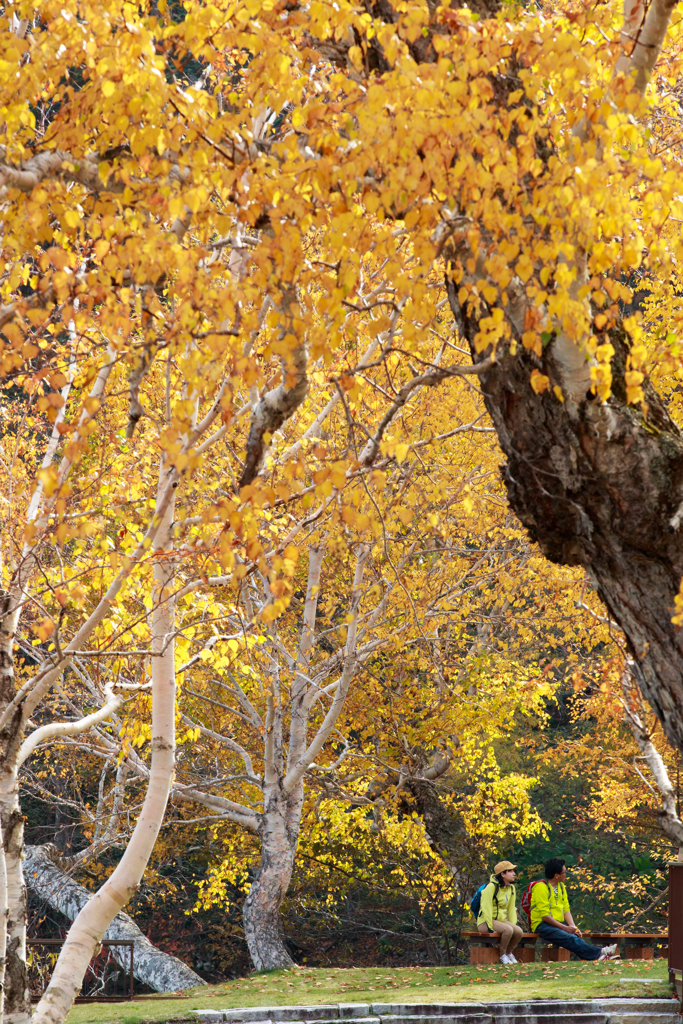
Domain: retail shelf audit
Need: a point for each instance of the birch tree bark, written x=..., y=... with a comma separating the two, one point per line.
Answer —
x=4, y=914
x=94, y=919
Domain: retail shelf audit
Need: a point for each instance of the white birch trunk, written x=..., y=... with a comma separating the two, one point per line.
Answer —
x=16, y=996
x=151, y=966
x=4, y=912
x=92, y=922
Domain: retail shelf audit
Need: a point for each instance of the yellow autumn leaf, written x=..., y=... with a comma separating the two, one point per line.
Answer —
x=539, y=382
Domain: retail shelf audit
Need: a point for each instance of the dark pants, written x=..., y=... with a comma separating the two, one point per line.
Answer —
x=568, y=941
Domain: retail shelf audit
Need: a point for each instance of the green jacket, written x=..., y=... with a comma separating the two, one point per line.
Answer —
x=546, y=903
x=502, y=908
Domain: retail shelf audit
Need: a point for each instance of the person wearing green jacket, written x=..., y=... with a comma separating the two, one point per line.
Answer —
x=497, y=911
x=551, y=917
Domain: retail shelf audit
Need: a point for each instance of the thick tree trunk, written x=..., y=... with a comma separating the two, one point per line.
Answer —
x=261, y=913
x=600, y=486
x=153, y=967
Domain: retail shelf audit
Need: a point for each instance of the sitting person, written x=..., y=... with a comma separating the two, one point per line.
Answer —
x=551, y=918
x=497, y=911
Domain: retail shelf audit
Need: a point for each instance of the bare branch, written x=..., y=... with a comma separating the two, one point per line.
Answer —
x=230, y=744
x=429, y=379
x=298, y=770
x=56, y=729
x=668, y=815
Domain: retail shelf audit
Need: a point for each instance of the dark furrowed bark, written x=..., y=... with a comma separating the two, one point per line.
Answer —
x=603, y=489
x=261, y=913
x=279, y=833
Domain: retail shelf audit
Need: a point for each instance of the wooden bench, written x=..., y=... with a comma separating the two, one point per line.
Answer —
x=484, y=947
x=637, y=945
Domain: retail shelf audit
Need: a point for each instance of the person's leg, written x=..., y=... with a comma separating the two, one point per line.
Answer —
x=506, y=932
x=516, y=936
x=483, y=928
x=568, y=941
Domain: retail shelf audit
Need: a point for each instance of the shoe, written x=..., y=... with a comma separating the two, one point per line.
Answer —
x=607, y=952
x=505, y=959
x=512, y=959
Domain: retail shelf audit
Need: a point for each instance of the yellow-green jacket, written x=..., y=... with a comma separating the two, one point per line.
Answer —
x=544, y=902
x=500, y=909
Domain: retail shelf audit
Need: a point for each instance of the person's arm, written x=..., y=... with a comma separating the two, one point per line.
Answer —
x=486, y=907
x=568, y=919
x=512, y=907
x=571, y=927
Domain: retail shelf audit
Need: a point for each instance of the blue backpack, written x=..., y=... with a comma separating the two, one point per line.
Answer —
x=475, y=904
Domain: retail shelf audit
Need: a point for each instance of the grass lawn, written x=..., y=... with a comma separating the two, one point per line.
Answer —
x=574, y=980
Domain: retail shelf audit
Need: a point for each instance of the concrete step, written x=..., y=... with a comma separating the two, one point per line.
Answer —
x=641, y=1003
x=559, y=1013
x=549, y=1007
x=505, y=1017
x=641, y=1011
x=643, y=1018
x=326, y=1011
x=462, y=1015
x=537, y=1011
x=470, y=1017
x=510, y=1017
x=414, y=1010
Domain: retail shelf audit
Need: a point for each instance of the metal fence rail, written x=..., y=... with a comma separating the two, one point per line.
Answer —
x=106, y=943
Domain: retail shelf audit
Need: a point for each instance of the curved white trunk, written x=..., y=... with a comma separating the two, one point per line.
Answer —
x=151, y=966
x=92, y=922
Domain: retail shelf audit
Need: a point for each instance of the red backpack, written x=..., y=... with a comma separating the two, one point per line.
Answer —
x=525, y=902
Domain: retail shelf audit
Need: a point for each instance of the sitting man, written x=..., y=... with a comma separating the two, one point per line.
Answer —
x=552, y=920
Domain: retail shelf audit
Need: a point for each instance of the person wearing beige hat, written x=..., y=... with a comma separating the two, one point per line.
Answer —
x=498, y=912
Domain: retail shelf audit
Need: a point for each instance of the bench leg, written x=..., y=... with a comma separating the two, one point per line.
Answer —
x=525, y=954
x=484, y=954
x=640, y=953
x=554, y=954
